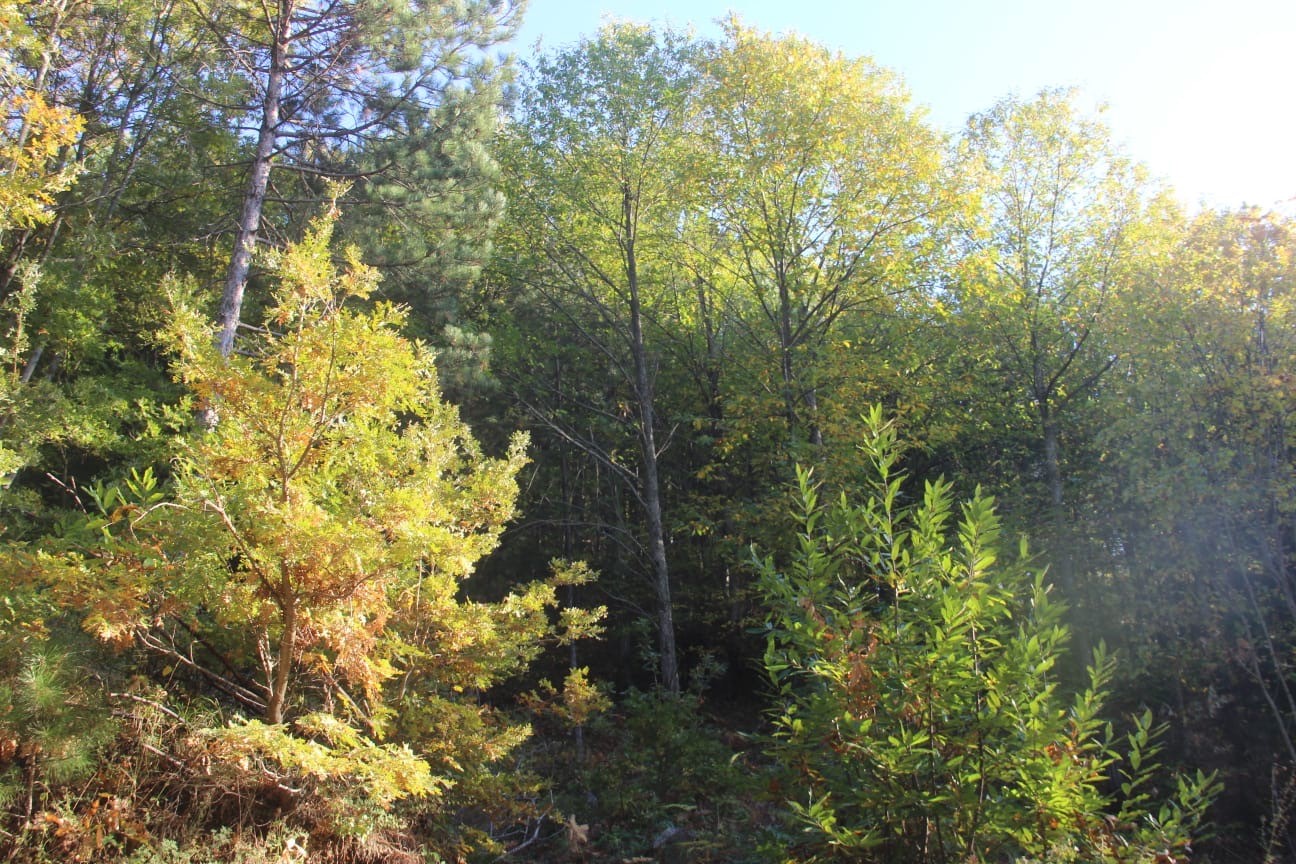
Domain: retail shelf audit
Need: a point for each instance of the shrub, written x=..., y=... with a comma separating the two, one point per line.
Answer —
x=918, y=712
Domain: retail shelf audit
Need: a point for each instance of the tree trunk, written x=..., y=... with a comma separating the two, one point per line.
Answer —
x=1042, y=393
x=569, y=551
x=283, y=663
x=651, y=486
x=785, y=351
x=812, y=411
x=1053, y=467
x=254, y=197
x=711, y=371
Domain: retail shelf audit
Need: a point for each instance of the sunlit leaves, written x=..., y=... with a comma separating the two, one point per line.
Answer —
x=34, y=135
x=340, y=479
x=823, y=189
x=917, y=701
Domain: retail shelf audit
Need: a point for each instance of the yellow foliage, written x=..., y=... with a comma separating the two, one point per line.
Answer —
x=386, y=772
x=579, y=700
x=33, y=137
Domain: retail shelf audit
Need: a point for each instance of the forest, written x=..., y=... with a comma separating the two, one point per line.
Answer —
x=656, y=449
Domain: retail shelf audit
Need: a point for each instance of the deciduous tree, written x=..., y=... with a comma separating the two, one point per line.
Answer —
x=596, y=181
x=824, y=184
x=1050, y=258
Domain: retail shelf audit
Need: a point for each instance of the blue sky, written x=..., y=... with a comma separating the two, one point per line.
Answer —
x=1202, y=92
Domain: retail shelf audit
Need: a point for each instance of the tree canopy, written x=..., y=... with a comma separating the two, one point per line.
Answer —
x=409, y=452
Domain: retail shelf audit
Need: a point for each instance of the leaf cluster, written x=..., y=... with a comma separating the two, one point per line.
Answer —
x=920, y=716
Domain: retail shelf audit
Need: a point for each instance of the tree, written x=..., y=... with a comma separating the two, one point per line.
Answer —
x=307, y=567
x=1198, y=468
x=335, y=472
x=91, y=378
x=596, y=180
x=328, y=79
x=823, y=185
x=1050, y=258
x=32, y=137
x=918, y=713
x=328, y=520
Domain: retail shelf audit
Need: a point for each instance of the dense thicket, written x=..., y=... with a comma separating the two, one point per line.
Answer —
x=267, y=597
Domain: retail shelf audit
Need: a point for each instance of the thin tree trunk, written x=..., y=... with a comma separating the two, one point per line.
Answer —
x=1053, y=468
x=1043, y=395
x=569, y=551
x=29, y=368
x=283, y=664
x=812, y=411
x=254, y=197
x=711, y=387
x=650, y=480
x=785, y=352
x=1063, y=550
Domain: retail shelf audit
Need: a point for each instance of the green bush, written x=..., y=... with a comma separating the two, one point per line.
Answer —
x=53, y=727
x=919, y=717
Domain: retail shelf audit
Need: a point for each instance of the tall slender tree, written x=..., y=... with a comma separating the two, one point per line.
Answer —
x=1050, y=259
x=596, y=183
x=327, y=78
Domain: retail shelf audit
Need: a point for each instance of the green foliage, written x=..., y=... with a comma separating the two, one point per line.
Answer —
x=597, y=165
x=824, y=190
x=53, y=726
x=919, y=716
x=1048, y=279
x=40, y=417
x=346, y=492
x=306, y=564
x=1197, y=486
x=715, y=252
x=15, y=447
